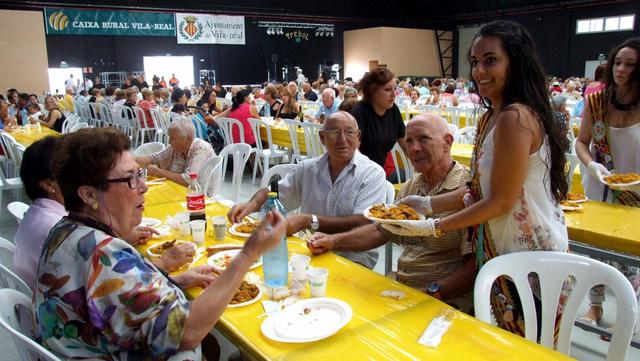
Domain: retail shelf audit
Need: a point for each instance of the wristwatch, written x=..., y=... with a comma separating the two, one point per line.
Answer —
x=315, y=224
x=433, y=289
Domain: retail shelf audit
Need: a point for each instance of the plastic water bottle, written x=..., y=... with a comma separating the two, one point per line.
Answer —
x=275, y=262
x=195, y=199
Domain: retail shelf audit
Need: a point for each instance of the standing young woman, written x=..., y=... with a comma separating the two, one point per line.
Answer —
x=517, y=169
x=612, y=121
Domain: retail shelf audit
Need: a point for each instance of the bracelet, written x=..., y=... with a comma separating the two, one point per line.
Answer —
x=437, y=230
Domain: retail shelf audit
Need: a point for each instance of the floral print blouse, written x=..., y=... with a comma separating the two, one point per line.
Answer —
x=96, y=297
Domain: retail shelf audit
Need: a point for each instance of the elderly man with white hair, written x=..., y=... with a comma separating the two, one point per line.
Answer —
x=444, y=266
x=185, y=154
x=329, y=106
x=332, y=191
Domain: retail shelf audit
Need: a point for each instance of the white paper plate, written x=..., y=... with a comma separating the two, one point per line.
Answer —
x=570, y=208
x=150, y=222
x=218, y=260
x=256, y=299
x=326, y=316
x=155, y=246
x=232, y=230
x=582, y=200
x=620, y=186
x=387, y=221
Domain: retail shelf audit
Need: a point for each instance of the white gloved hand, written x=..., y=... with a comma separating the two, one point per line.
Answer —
x=597, y=170
x=419, y=203
x=425, y=228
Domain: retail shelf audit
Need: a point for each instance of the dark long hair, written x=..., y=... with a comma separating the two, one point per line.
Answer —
x=634, y=79
x=239, y=98
x=525, y=84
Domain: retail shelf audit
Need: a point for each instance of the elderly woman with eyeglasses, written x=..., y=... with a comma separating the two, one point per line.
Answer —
x=96, y=297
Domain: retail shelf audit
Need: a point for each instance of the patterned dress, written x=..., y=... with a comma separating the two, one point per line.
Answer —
x=97, y=298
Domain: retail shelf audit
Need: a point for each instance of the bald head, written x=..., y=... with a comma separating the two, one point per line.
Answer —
x=436, y=125
x=341, y=117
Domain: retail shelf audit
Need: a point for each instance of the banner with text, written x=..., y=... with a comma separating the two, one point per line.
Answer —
x=62, y=21
x=210, y=29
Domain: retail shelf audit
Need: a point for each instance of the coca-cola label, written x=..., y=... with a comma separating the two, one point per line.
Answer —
x=195, y=202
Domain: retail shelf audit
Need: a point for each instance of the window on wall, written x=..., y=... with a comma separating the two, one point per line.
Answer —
x=600, y=25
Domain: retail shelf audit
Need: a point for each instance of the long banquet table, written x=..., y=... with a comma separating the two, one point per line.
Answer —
x=381, y=328
x=28, y=136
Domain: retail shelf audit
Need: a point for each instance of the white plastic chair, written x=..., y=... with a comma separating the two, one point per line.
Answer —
x=6, y=184
x=7, y=249
x=396, y=152
x=148, y=148
x=466, y=135
x=226, y=124
x=18, y=209
x=312, y=141
x=552, y=269
x=452, y=129
x=210, y=176
x=292, y=126
x=574, y=162
x=388, y=247
x=264, y=156
x=280, y=169
x=240, y=153
x=106, y=118
x=69, y=123
x=8, y=279
x=79, y=126
x=15, y=314
x=144, y=130
x=160, y=124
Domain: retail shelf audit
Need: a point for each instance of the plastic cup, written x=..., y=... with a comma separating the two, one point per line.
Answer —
x=300, y=265
x=197, y=230
x=183, y=223
x=219, y=224
x=318, y=281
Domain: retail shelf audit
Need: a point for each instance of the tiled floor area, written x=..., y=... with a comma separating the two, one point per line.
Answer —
x=586, y=346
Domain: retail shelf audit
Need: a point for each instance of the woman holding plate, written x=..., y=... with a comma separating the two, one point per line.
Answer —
x=612, y=123
x=517, y=169
x=96, y=297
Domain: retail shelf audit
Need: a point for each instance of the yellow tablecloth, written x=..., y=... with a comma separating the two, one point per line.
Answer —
x=446, y=115
x=381, y=328
x=604, y=225
x=26, y=137
x=280, y=136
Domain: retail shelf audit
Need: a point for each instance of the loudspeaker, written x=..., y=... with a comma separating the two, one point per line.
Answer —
x=274, y=58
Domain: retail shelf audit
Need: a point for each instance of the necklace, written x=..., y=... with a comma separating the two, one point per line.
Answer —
x=437, y=187
x=623, y=107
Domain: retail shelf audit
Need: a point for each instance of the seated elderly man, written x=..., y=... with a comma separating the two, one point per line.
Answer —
x=442, y=267
x=332, y=191
x=329, y=106
x=185, y=154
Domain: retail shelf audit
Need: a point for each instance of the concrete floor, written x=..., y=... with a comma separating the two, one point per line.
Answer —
x=585, y=346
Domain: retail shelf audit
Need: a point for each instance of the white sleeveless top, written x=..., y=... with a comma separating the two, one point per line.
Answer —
x=625, y=149
x=535, y=222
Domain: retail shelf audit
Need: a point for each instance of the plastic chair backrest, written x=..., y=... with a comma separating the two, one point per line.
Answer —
x=7, y=249
x=396, y=152
x=314, y=145
x=573, y=161
x=8, y=279
x=210, y=176
x=255, y=128
x=15, y=314
x=452, y=129
x=79, y=126
x=240, y=153
x=68, y=124
x=466, y=135
x=281, y=169
x=148, y=148
x=105, y=114
x=226, y=124
x=141, y=116
x=292, y=126
x=552, y=269
x=391, y=192
x=18, y=209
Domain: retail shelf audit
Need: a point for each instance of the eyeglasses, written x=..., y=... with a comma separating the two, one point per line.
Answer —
x=132, y=180
x=335, y=133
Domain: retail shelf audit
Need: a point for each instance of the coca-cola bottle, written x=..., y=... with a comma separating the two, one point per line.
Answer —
x=195, y=199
